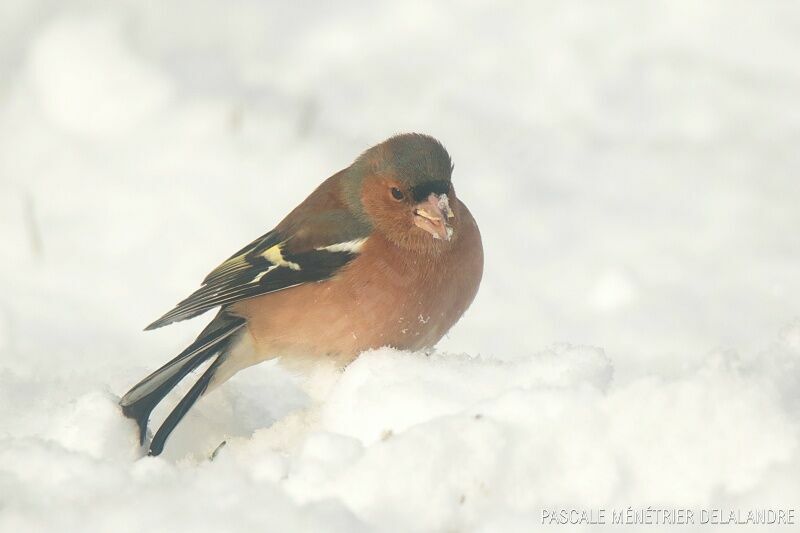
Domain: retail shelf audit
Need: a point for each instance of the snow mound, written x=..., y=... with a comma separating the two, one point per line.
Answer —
x=91, y=425
x=425, y=442
x=391, y=391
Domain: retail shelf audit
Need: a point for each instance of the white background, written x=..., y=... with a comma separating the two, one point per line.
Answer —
x=634, y=168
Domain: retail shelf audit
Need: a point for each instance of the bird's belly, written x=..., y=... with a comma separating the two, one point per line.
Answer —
x=382, y=298
x=340, y=320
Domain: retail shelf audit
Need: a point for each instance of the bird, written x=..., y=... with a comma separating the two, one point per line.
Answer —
x=382, y=253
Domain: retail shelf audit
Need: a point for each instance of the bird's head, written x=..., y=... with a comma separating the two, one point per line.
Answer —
x=403, y=187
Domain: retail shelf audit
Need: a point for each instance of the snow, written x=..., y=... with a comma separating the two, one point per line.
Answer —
x=81, y=71
x=636, y=339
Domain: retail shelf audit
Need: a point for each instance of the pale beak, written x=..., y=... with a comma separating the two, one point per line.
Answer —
x=432, y=216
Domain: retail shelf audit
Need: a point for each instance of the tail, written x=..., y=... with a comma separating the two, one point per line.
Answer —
x=140, y=401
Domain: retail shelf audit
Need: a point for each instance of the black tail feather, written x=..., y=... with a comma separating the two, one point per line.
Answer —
x=141, y=408
x=140, y=401
x=186, y=403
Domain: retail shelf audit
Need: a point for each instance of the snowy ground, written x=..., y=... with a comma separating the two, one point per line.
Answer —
x=636, y=340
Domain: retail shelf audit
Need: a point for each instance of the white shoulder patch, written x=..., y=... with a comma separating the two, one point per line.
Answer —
x=352, y=247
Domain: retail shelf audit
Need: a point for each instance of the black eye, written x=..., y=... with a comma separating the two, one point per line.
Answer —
x=397, y=194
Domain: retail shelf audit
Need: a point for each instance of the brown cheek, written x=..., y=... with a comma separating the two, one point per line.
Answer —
x=370, y=199
x=391, y=217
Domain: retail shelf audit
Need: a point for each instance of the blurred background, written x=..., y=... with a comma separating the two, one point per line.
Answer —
x=633, y=167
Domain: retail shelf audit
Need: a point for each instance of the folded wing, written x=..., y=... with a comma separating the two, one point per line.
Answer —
x=275, y=261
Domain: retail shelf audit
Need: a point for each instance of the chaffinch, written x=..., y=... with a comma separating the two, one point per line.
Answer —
x=382, y=253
